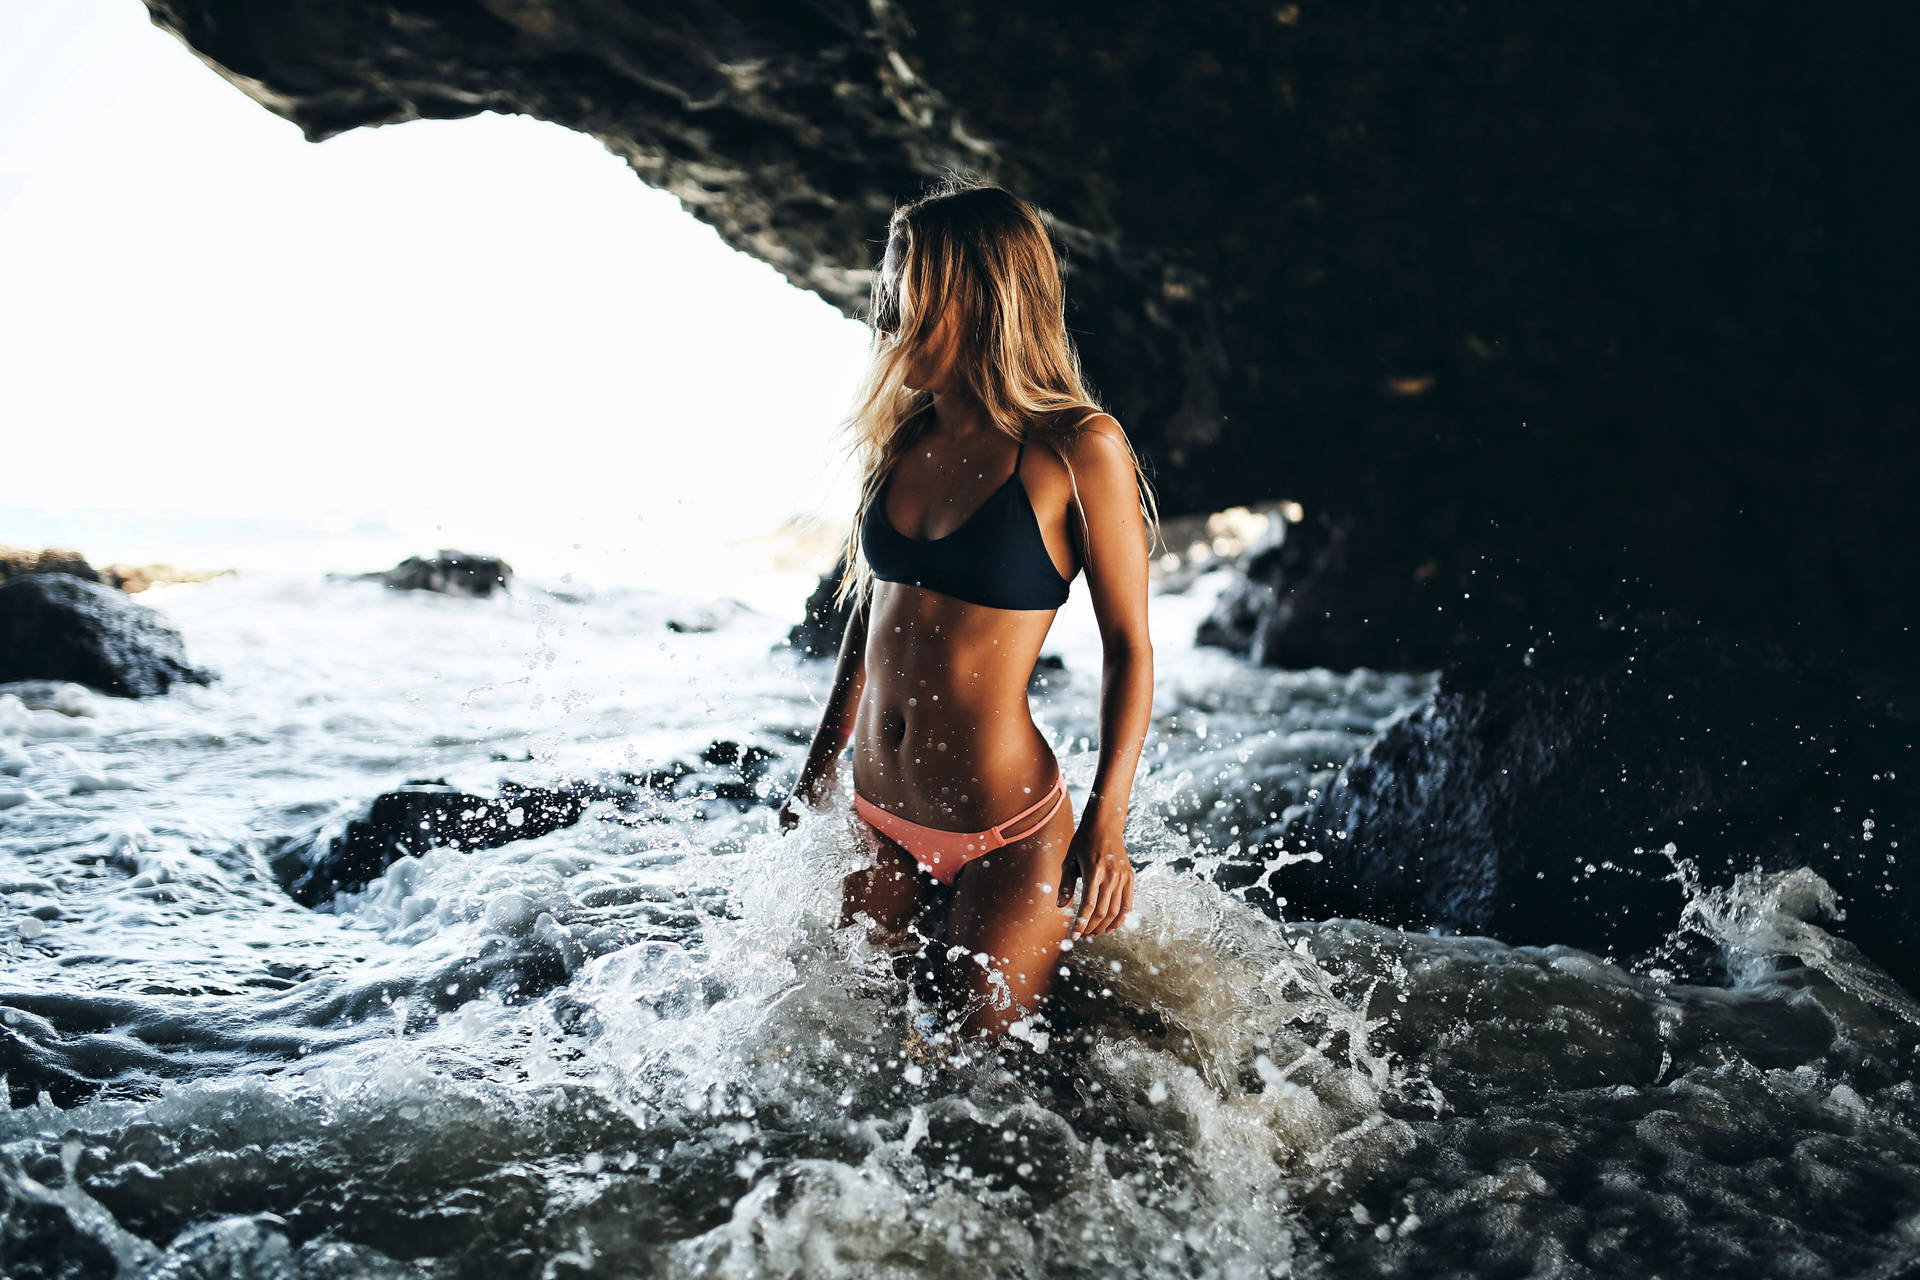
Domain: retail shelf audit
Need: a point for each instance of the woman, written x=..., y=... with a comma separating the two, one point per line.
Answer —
x=991, y=480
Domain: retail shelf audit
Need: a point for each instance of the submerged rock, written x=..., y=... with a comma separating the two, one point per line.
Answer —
x=749, y=761
x=427, y=813
x=1049, y=671
x=55, y=626
x=424, y=814
x=699, y=619
x=453, y=573
x=1536, y=804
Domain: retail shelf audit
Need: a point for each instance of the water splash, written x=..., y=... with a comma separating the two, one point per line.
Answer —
x=1764, y=916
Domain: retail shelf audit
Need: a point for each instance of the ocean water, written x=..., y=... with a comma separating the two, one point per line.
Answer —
x=638, y=1046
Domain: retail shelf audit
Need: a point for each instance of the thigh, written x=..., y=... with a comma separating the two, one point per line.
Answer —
x=895, y=891
x=1004, y=915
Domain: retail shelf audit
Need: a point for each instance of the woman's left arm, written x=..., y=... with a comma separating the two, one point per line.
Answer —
x=1114, y=551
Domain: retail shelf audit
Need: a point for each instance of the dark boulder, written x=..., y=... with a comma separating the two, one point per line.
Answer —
x=426, y=813
x=422, y=814
x=452, y=573
x=1342, y=592
x=727, y=776
x=449, y=572
x=55, y=626
x=818, y=635
x=1533, y=804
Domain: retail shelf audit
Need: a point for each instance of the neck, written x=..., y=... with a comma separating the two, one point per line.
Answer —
x=958, y=415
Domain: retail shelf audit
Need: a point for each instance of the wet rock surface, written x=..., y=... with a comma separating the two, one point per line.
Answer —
x=1311, y=600
x=55, y=626
x=422, y=814
x=1552, y=801
x=427, y=813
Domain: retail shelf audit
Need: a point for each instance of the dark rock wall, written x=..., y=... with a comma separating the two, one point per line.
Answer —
x=1533, y=804
x=1581, y=304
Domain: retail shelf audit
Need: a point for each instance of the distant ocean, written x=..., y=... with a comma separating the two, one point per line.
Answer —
x=770, y=565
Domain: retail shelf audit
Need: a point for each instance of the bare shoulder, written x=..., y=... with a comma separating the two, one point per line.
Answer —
x=1105, y=424
x=1083, y=450
x=1099, y=448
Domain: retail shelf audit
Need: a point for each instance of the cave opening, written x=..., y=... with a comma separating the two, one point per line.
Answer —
x=479, y=333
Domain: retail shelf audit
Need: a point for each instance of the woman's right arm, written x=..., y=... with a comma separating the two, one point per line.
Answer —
x=836, y=722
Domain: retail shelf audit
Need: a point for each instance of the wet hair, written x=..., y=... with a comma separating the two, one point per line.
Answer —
x=983, y=254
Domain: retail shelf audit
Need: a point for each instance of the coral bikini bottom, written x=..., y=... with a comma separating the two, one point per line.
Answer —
x=944, y=852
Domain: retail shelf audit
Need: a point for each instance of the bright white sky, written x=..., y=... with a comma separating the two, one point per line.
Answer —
x=219, y=339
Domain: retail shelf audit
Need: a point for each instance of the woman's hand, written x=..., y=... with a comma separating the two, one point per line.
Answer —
x=789, y=813
x=1098, y=858
x=804, y=796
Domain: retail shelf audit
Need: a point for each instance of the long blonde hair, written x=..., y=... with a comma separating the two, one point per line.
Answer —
x=982, y=252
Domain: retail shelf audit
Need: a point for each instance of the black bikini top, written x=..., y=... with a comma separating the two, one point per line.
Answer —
x=996, y=557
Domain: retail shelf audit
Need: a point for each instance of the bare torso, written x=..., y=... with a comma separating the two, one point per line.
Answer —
x=943, y=735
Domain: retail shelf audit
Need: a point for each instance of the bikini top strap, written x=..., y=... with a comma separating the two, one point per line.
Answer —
x=1018, y=455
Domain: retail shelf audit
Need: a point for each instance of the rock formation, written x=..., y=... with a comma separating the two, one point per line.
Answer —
x=1552, y=801
x=421, y=814
x=55, y=626
x=449, y=572
x=818, y=634
x=1581, y=306
x=130, y=578
x=427, y=813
